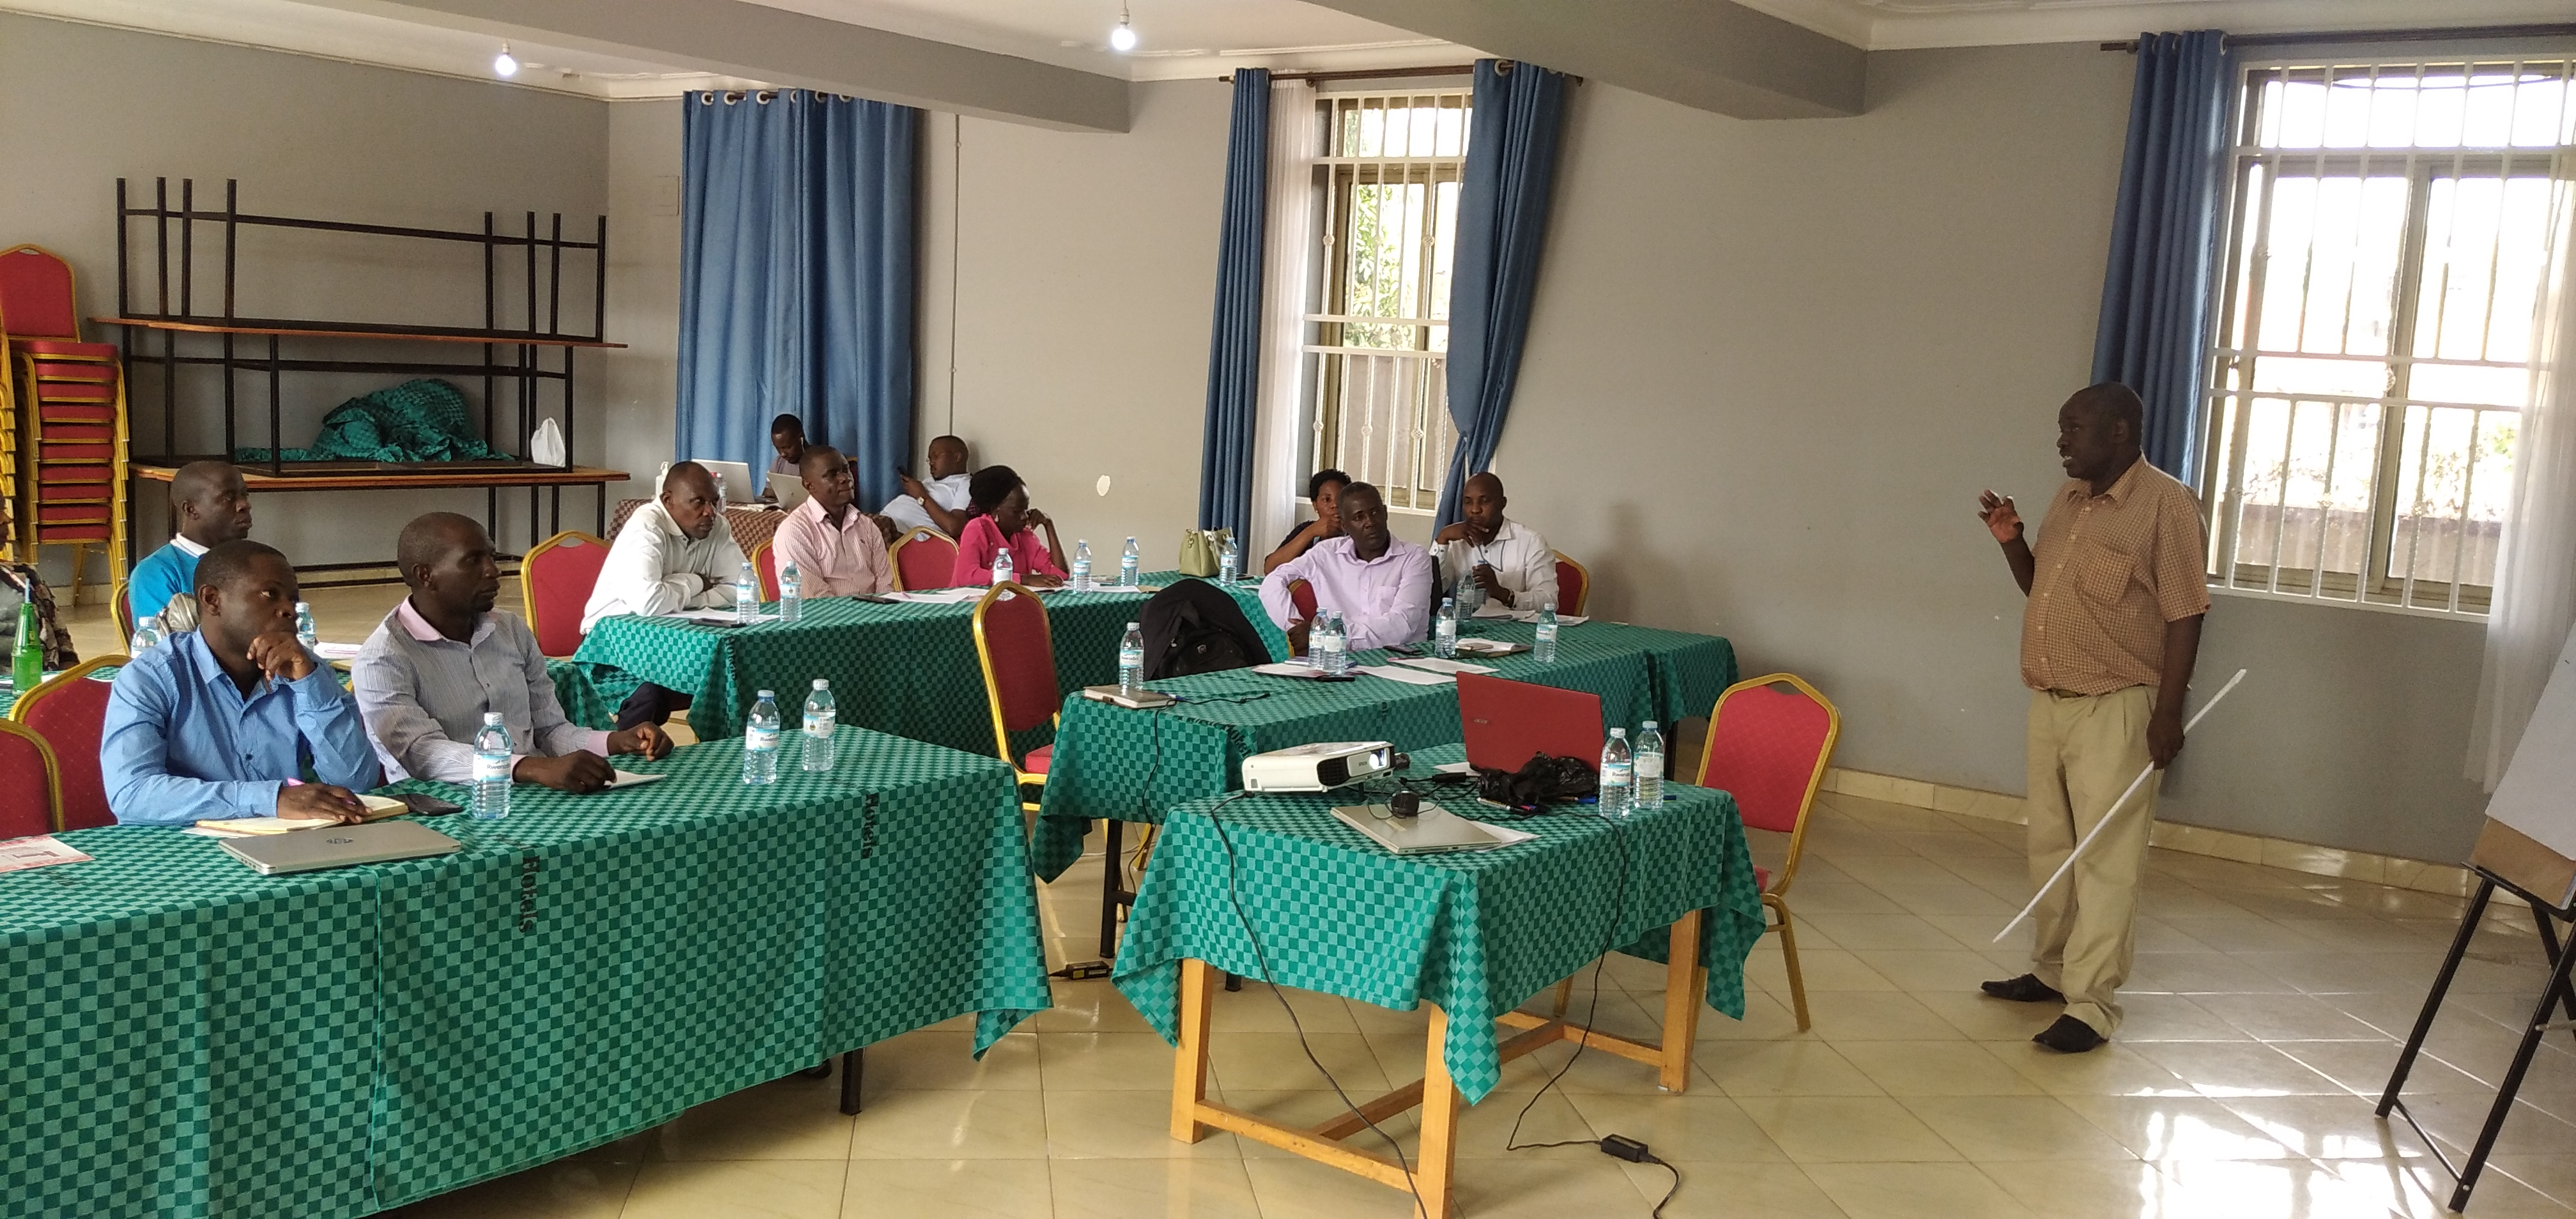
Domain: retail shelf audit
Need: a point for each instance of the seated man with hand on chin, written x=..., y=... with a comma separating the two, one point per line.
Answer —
x=1509, y=561
x=444, y=657
x=1379, y=584
x=218, y=722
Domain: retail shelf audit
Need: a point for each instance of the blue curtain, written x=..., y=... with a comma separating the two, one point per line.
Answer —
x=1502, y=221
x=797, y=278
x=1234, y=340
x=2153, y=334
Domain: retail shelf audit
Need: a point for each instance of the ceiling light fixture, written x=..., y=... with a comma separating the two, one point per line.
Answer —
x=505, y=64
x=1122, y=38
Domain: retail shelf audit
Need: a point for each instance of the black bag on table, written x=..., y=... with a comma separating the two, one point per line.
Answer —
x=1192, y=626
x=1543, y=780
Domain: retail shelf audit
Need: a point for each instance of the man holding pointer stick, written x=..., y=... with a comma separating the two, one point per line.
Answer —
x=2116, y=591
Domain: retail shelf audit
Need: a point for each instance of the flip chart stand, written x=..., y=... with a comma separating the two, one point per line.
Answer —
x=2552, y=997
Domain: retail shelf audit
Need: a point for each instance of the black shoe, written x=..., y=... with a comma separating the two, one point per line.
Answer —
x=2024, y=989
x=2069, y=1036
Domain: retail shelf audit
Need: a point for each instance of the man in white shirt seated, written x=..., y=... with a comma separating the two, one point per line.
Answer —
x=1380, y=585
x=444, y=657
x=1508, y=560
x=836, y=549
x=675, y=553
x=940, y=503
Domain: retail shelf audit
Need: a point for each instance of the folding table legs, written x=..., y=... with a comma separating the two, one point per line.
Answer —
x=850, y=1081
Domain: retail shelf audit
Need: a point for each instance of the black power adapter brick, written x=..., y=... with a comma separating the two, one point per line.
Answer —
x=1625, y=1148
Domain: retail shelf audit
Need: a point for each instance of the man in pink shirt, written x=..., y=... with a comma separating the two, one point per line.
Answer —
x=1380, y=585
x=837, y=549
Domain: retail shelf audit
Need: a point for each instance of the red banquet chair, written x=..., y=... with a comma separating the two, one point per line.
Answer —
x=27, y=765
x=1573, y=586
x=923, y=558
x=70, y=712
x=1768, y=742
x=1014, y=643
x=554, y=584
x=764, y=560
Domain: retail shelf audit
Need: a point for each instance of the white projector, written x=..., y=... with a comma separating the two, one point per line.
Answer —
x=1318, y=767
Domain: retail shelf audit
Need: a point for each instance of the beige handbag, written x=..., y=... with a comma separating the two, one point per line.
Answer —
x=1200, y=550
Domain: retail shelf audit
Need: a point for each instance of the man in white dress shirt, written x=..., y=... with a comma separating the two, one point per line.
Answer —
x=1508, y=560
x=445, y=656
x=940, y=503
x=1379, y=584
x=675, y=553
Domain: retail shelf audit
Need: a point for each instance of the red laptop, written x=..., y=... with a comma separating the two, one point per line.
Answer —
x=1507, y=721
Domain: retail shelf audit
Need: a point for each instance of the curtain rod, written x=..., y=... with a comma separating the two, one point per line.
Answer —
x=2427, y=34
x=1462, y=69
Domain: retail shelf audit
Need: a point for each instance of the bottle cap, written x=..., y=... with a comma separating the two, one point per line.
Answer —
x=1620, y=733
x=768, y=694
x=1133, y=626
x=821, y=684
x=491, y=717
x=1650, y=724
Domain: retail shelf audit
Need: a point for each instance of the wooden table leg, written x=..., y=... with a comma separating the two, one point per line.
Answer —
x=1190, y=1065
x=1684, y=980
x=1436, y=1165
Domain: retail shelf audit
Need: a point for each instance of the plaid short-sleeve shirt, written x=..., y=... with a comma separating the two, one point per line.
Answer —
x=2111, y=571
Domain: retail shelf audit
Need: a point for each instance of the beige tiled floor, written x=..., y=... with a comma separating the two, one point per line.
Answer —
x=2264, y=1016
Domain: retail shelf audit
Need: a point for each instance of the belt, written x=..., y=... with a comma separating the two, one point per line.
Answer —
x=2067, y=694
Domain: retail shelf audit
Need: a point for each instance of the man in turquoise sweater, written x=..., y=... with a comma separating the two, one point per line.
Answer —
x=213, y=508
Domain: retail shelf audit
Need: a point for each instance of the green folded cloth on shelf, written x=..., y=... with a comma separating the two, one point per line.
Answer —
x=423, y=420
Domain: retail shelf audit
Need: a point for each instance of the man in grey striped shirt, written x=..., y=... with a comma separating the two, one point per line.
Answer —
x=444, y=657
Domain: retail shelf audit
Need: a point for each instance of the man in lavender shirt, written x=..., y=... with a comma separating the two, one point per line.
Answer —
x=444, y=657
x=1379, y=585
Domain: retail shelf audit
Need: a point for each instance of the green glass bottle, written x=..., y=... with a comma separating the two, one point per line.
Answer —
x=27, y=666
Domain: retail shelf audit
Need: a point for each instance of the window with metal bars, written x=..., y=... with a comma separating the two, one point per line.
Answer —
x=2387, y=238
x=1378, y=335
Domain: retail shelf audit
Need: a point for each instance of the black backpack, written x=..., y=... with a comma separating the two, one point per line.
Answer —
x=1192, y=626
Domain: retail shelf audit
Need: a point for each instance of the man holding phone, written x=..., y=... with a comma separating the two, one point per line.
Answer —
x=219, y=722
x=940, y=503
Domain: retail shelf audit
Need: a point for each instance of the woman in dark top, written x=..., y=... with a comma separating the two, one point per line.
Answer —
x=1325, y=488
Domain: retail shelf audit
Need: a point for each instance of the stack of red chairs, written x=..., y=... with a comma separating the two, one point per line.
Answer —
x=69, y=401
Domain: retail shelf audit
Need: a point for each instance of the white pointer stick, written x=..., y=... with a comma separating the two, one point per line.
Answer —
x=2105, y=822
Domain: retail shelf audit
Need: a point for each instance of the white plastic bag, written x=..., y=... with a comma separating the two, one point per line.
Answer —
x=546, y=448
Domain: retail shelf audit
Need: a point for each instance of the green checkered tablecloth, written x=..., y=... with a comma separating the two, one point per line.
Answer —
x=906, y=669
x=1127, y=764
x=185, y=1036
x=1477, y=933
x=582, y=703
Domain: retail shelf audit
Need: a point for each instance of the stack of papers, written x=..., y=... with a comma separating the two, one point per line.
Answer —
x=1411, y=677
x=378, y=808
x=1437, y=665
x=43, y=850
x=337, y=651
x=940, y=596
x=721, y=617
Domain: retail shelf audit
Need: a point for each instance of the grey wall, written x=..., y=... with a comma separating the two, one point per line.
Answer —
x=83, y=105
x=643, y=288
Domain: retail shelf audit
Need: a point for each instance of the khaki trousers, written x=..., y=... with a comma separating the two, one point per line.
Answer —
x=2084, y=750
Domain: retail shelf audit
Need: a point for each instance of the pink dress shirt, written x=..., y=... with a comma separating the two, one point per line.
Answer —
x=983, y=539
x=847, y=560
x=1383, y=602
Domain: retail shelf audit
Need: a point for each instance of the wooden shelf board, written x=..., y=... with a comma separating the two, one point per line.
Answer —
x=350, y=330
x=354, y=476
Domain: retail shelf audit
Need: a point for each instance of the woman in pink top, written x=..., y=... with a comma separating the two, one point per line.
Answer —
x=999, y=518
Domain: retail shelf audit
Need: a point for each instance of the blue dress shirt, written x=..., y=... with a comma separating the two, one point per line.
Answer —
x=181, y=743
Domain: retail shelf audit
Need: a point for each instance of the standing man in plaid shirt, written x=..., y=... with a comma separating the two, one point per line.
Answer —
x=2116, y=594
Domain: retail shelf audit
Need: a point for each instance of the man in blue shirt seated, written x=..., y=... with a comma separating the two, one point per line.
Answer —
x=213, y=508
x=219, y=721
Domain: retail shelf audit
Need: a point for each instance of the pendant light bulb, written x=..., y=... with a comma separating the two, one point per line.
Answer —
x=1122, y=38
x=505, y=64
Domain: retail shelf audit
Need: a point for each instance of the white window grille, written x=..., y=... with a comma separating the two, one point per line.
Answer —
x=1378, y=332
x=2387, y=237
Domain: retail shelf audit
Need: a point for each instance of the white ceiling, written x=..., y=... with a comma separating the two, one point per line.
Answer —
x=1187, y=38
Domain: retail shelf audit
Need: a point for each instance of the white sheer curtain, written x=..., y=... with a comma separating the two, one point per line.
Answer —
x=1285, y=277
x=2535, y=589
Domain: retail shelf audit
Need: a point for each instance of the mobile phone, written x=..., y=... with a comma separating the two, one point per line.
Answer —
x=428, y=805
x=1405, y=650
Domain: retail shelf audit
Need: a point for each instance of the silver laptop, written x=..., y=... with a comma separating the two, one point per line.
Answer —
x=734, y=478
x=787, y=489
x=338, y=846
x=1436, y=829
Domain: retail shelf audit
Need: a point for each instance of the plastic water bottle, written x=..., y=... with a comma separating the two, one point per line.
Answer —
x=1618, y=773
x=821, y=717
x=1444, y=630
x=1082, y=566
x=492, y=769
x=746, y=595
x=1229, y=561
x=1544, y=651
x=1330, y=644
x=304, y=630
x=1650, y=767
x=1004, y=571
x=1127, y=565
x=791, y=594
x=147, y=635
x=1131, y=661
x=760, y=742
